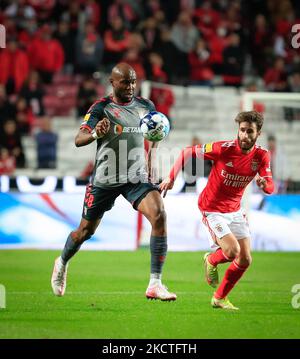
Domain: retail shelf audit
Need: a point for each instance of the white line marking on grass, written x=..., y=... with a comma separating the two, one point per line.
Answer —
x=75, y=292
x=94, y=292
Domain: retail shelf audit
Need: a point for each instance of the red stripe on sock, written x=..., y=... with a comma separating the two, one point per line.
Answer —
x=239, y=266
x=231, y=277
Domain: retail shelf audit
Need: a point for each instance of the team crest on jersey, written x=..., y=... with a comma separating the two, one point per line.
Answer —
x=116, y=112
x=254, y=165
x=219, y=228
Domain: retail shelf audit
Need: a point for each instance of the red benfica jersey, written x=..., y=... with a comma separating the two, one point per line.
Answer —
x=232, y=171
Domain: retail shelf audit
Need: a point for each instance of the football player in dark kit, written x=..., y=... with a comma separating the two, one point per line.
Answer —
x=114, y=123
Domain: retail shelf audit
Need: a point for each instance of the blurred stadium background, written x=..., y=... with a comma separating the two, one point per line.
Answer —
x=199, y=61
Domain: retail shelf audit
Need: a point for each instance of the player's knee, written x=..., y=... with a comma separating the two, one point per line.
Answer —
x=159, y=219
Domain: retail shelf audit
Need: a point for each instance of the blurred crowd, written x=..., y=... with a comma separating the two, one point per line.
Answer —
x=177, y=42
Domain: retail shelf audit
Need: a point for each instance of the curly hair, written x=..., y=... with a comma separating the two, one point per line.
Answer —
x=251, y=117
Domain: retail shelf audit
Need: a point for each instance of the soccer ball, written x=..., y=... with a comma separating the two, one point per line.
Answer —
x=155, y=126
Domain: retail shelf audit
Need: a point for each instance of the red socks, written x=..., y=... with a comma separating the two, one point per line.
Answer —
x=232, y=274
x=218, y=257
x=231, y=277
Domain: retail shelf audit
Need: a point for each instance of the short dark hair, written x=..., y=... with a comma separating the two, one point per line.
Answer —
x=250, y=117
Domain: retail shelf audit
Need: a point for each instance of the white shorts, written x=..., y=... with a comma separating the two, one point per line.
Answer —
x=220, y=224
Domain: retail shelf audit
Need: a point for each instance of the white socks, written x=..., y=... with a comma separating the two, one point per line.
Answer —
x=155, y=279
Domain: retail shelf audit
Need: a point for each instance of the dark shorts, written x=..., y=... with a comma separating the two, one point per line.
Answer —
x=99, y=200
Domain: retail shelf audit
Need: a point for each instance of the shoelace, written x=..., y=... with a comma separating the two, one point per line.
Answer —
x=227, y=302
x=60, y=275
x=164, y=287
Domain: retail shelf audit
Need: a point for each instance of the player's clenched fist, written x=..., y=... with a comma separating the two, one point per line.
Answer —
x=261, y=182
x=102, y=127
x=166, y=184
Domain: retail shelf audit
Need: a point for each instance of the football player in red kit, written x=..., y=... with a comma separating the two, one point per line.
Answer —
x=235, y=164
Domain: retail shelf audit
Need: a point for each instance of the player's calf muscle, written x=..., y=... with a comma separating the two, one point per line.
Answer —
x=82, y=234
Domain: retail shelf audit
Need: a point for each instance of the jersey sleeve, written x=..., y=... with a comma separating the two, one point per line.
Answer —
x=209, y=151
x=265, y=172
x=93, y=116
x=146, y=103
x=182, y=160
x=151, y=106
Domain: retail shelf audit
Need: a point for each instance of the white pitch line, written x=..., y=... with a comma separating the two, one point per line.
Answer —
x=126, y=292
x=94, y=292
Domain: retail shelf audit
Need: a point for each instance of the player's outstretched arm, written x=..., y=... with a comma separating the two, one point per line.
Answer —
x=181, y=161
x=85, y=137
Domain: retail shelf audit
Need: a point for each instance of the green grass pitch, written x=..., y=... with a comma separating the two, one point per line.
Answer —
x=105, y=298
